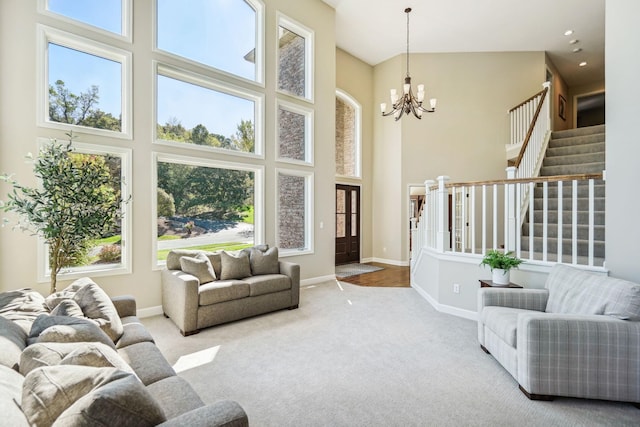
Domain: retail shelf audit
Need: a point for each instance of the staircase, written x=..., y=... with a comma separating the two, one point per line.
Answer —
x=575, y=151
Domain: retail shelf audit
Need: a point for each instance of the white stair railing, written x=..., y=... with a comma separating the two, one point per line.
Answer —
x=486, y=215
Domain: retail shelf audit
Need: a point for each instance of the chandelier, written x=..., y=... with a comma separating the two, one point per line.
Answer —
x=408, y=102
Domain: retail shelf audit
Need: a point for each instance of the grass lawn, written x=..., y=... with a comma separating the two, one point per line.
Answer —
x=231, y=246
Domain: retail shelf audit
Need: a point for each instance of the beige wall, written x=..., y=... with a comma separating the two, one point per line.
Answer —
x=464, y=139
x=18, y=133
x=355, y=77
x=623, y=147
x=559, y=87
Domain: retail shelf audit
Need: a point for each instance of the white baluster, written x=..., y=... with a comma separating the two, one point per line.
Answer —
x=443, y=205
x=574, y=225
x=591, y=220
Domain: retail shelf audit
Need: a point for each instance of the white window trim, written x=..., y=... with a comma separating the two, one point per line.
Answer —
x=258, y=202
x=308, y=35
x=126, y=20
x=308, y=207
x=259, y=7
x=48, y=35
x=44, y=274
x=219, y=86
x=358, y=132
x=308, y=114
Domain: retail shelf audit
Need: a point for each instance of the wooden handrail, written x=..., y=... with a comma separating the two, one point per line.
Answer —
x=576, y=177
x=530, y=99
x=531, y=126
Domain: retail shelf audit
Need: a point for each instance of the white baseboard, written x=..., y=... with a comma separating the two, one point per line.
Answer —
x=149, y=311
x=390, y=262
x=316, y=280
x=448, y=309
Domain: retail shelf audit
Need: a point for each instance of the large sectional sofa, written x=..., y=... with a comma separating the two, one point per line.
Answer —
x=578, y=337
x=80, y=358
x=202, y=289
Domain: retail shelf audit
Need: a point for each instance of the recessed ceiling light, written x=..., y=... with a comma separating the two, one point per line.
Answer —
x=583, y=63
x=568, y=32
x=577, y=49
x=574, y=41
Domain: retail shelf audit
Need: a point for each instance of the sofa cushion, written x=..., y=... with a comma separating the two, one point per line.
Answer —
x=235, y=267
x=10, y=398
x=503, y=321
x=13, y=339
x=216, y=262
x=264, y=262
x=173, y=257
x=77, y=353
x=575, y=291
x=198, y=266
x=66, y=329
x=147, y=362
x=268, y=283
x=56, y=298
x=22, y=306
x=96, y=305
x=221, y=291
x=67, y=307
x=134, y=332
x=175, y=396
x=92, y=396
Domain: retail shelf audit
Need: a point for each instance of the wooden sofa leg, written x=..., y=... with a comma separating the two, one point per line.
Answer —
x=166, y=315
x=484, y=349
x=532, y=396
x=186, y=334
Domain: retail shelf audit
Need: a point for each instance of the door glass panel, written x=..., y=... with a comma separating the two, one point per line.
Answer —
x=354, y=225
x=340, y=201
x=340, y=225
x=354, y=202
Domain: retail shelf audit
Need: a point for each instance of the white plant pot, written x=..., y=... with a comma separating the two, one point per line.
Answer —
x=500, y=276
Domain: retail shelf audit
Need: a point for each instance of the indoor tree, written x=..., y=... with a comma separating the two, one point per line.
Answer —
x=74, y=204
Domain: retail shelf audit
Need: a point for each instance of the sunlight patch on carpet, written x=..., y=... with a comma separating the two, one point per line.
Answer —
x=193, y=360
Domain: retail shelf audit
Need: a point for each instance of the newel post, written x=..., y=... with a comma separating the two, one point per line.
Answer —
x=442, y=239
x=511, y=222
x=429, y=213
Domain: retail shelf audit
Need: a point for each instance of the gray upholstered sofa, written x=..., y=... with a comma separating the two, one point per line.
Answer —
x=86, y=363
x=202, y=289
x=578, y=337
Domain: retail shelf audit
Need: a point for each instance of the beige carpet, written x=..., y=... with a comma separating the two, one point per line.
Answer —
x=357, y=356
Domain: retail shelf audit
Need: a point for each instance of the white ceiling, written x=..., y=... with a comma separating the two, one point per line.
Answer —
x=375, y=30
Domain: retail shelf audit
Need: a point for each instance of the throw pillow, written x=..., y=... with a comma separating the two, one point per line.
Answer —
x=216, y=261
x=67, y=307
x=67, y=329
x=173, y=257
x=96, y=305
x=235, y=267
x=54, y=299
x=198, y=266
x=264, y=262
x=49, y=391
x=13, y=339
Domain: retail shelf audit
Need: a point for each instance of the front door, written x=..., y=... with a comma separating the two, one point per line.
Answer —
x=347, y=224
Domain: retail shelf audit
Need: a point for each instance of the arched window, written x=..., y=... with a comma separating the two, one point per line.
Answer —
x=348, y=135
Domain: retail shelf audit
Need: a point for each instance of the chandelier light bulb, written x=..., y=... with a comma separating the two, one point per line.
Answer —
x=383, y=106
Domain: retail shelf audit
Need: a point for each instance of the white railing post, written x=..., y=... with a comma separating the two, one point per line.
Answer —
x=510, y=203
x=429, y=213
x=414, y=238
x=442, y=240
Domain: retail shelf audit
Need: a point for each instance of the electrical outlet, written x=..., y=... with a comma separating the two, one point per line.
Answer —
x=456, y=288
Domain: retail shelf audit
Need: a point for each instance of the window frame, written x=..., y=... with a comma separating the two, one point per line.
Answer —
x=344, y=96
x=259, y=7
x=309, y=61
x=309, y=210
x=258, y=202
x=48, y=35
x=101, y=270
x=308, y=114
x=126, y=20
x=210, y=83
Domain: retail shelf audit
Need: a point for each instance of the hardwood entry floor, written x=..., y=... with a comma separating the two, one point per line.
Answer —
x=391, y=276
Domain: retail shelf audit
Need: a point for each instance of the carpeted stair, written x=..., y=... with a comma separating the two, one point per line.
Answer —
x=574, y=151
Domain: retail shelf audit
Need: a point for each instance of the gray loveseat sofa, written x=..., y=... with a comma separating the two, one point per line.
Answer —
x=202, y=289
x=578, y=337
x=91, y=362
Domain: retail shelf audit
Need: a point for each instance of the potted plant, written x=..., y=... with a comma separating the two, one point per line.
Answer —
x=500, y=263
x=73, y=204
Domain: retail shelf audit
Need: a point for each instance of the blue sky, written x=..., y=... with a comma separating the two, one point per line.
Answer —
x=206, y=31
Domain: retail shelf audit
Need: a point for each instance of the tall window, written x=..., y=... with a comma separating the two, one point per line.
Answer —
x=295, y=213
x=221, y=34
x=205, y=205
x=295, y=133
x=295, y=53
x=348, y=113
x=109, y=254
x=206, y=113
x=112, y=16
x=86, y=84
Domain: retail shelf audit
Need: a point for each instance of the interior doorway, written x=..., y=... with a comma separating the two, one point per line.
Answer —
x=347, y=224
x=590, y=109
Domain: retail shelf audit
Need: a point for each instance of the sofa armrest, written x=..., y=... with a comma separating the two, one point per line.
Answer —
x=225, y=413
x=527, y=299
x=592, y=356
x=292, y=270
x=125, y=305
x=180, y=299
